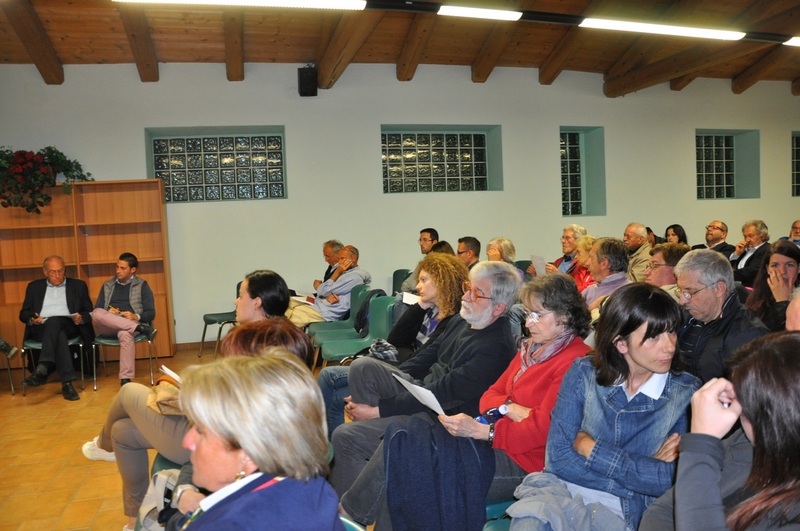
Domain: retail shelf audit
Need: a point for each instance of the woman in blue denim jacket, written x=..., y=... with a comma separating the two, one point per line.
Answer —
x=617, y=422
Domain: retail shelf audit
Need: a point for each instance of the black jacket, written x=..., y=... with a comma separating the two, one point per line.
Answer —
x=723, y=247
x=78, y=301
x=747, y=274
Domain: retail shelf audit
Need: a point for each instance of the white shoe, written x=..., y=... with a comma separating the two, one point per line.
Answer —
x=125, y=527
x=95, y=453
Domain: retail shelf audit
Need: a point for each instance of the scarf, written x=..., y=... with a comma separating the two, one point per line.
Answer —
x=532, y=353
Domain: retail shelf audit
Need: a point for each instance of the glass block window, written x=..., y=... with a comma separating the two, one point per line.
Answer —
x=796, y=166
x=415, y=161
x=715, y=166
x=220, y=167
x=571, y=174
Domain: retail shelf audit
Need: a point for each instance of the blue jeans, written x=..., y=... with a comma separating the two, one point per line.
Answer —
x=333, y=383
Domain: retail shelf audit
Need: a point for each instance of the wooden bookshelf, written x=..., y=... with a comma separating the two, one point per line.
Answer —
x=89, y=228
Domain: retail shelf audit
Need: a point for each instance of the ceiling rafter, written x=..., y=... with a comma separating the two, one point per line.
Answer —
x=141, y=43
x=34, y=39
x=796, y=87
x=416, y=40
x=678, y=65
x=761, y=68
x=493, y=47
x=354, y=28
x=233, y=24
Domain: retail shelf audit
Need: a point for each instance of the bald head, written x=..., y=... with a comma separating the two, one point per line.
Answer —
x=793, y=315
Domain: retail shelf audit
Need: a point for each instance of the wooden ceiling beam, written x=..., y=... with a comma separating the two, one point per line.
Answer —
x=416, y=40
x=493, y=47
x=796, y=87
x=140, y=41
x=678, y=65
x=761, y=68
x=354, y=28
x=234, y=44
x=29, y=29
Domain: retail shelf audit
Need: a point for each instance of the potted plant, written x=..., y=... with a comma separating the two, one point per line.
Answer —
x=24, y=176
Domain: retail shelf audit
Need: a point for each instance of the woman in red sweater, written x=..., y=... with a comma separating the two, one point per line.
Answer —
x=557, y=318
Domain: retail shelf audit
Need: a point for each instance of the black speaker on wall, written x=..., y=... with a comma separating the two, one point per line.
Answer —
x=307, y=81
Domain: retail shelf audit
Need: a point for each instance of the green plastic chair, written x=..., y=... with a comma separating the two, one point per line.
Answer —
x=221, y=319
x=108, y=341
x=357, y=296
x=523, y=265
x=29, y=345
x=380, y=322
x=496, y=515
x=398, y=277
x=350, y=525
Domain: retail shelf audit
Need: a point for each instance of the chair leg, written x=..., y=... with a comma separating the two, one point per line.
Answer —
x=94, y=365
x=83, y=383
x=10, y=380
x=203, y=340
x=151, y=352
x=103, y=354
x=24, y=364
x=219, y=335
x=316, y=358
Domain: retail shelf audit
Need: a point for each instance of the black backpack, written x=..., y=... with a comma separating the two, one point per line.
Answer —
x=361, y=322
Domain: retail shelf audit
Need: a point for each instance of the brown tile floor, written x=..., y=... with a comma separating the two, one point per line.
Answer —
x=45, y=481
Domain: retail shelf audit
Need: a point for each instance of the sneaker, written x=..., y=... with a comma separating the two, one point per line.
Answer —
x=95, y=453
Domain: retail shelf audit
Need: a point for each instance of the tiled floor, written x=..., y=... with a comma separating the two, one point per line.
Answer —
x=45, y=481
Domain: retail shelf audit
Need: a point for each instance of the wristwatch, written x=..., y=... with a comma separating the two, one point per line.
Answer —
x=178, y=492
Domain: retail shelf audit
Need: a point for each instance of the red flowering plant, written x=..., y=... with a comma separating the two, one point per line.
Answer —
x=24, y=176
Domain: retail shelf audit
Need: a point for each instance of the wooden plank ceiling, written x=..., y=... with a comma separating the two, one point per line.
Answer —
x=52, y=33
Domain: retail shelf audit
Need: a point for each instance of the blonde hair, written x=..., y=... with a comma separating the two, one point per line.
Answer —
x=507, y=250
x=271, y=407
x=585, y=243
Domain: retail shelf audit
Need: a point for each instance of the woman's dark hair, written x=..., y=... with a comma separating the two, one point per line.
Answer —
x=270, y=287
x=766, y=376
x=679, y=232
x=252, y=338
x=558, y=293
x=761, y=299
x=443, y=247
x=627, y=309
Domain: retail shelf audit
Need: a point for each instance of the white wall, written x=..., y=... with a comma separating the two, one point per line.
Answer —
x=99, y=114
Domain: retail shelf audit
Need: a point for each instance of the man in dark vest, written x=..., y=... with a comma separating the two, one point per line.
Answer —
x=125, y=307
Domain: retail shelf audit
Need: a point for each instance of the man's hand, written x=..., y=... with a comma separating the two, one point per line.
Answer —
x=317, y=283
x=669, y=450
x=517, y=412
x=584, y=444
x=130, y=316
x=77, y=319
x=345, y=264
x=462, y=425
x=113, y=310
x=189, y=501
x=550, y=268
x=740, y=248
x=531, y=270
x=37, y=319
x=781, y=289
x=715, y=408
x=356, y=411
x=332, y=298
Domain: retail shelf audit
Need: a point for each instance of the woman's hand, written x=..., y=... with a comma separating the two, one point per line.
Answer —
x=584, y=444
x=531, y=270
x=356, y=411
x=715, y=408
x=669, y=450
x=781, y=289
x=517, y=412
x=190, y=501
x=462, y=425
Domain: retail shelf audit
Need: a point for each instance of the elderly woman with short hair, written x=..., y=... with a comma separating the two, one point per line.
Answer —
x=258, y=443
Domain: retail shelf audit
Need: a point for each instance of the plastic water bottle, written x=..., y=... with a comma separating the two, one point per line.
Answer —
x=492, y=415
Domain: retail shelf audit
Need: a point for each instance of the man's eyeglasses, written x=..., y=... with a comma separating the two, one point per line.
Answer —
x=685, y=294
x=714, y=227
x=652, y=266
x=421, y=240
x=466, y=287
x=459, y=253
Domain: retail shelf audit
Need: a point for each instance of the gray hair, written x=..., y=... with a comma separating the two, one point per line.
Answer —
x=271, y=407
x=53, y=257
x=505, y=281
x=760, y=226
x=507, y=250
x=615, y=251
x=710, y=266
x=638, y=229
x=335, y=245
x=577, y=230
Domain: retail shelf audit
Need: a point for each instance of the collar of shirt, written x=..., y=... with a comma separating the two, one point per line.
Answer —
x=126, y=283
x=212, y=499
x=62, y=285
x=612, y=278
x=652, y=388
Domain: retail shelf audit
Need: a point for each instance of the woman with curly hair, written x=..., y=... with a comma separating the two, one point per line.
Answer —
x=775, y=285
x=439, y=289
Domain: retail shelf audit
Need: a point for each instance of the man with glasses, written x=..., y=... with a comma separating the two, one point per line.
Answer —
x=427, y=239
x=716, y=232
x=56, y=309
x=330, y=250
x=794, y=234
x=469, y=249
x=718, y=323
x=748, y=254
x=457, y=368
x=661, y=271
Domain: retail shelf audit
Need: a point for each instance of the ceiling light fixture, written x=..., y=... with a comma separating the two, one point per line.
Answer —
x=661, y=29
x=355, y=5
x=474, y=12
x=794, y=41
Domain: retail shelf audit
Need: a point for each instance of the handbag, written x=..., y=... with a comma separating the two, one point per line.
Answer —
x=163, y=398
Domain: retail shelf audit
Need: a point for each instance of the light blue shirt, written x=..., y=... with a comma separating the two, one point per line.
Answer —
x=55, y=301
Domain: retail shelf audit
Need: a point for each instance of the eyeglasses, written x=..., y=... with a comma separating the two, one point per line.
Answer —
x=54, y=272
x=462, y=252
x=652, y=266
x=466, y=287
x=425, y=240
x=683, y=294
x=714, y=227
x=535, y=316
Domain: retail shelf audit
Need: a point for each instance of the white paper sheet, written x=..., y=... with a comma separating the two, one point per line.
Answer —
x=539, y=263
x=423, y=395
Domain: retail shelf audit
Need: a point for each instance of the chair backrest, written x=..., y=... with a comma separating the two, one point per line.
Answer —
x=523, y=265
x=380, y=317
x=398, y=277
x=357, y=296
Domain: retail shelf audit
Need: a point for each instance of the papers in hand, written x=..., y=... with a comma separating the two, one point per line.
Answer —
x=539, y=263
x=410, y=298
x=169, y=372
x=423, y=395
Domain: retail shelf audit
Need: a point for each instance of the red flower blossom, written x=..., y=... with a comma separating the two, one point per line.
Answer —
x=44, y=170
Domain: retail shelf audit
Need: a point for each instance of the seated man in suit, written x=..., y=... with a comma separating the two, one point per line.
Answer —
x=124, y=307
x=56, y=309
x=716, y=232
x=749, y=253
